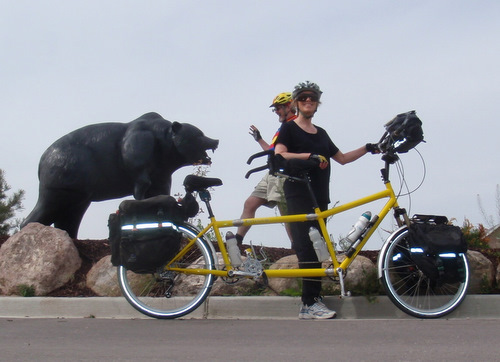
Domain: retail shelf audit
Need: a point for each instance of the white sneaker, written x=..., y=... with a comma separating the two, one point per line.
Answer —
x=316, y=311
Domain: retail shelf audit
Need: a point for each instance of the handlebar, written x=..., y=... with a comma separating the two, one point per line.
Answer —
x=259, y=154
x=269, y=153
x=276, y=164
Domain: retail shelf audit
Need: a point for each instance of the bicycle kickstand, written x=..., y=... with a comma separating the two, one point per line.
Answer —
x=343, y=293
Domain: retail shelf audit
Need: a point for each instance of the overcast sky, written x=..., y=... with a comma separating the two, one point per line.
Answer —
x=218, y=65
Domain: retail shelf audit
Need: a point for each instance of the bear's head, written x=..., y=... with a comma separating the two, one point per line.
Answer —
x=192, y=144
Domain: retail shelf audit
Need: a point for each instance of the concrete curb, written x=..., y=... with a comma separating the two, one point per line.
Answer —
x=474, y=306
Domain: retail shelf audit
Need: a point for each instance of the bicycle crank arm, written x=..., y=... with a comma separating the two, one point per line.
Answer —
x=343, y=293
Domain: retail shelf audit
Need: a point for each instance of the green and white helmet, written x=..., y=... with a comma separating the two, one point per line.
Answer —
x=306, y=86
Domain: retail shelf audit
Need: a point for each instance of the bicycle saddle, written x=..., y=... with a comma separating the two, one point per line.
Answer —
x=198, y=183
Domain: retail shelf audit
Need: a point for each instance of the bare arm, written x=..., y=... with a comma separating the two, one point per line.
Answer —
x=281, y=149
x=351, y=156
x=263, y=144
x=341, y=158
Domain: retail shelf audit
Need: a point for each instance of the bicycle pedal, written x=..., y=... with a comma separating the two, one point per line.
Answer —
x=345, y=294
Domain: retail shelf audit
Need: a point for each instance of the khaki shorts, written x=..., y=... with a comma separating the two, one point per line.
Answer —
x=270, y=188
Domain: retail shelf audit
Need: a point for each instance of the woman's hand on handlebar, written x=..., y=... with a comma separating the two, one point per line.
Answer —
x=373, y=148
x=321, y=160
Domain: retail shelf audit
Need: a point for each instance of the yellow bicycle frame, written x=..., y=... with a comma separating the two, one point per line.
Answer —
x=318, y=215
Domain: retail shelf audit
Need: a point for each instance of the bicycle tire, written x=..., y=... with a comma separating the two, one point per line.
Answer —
x=409, y=289
x=148, y=293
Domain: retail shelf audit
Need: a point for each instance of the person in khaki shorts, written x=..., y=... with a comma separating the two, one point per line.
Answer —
x=269, y=191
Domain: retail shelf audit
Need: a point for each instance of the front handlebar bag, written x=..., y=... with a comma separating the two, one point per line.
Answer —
x=405, y=131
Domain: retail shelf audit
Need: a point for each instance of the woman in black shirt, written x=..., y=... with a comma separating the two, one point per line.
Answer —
x=302, y=139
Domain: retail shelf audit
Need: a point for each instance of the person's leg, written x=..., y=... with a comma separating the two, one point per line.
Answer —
x=311, y=287
x=276, y=197
x=256, y=199
x=312, y=307
x=250, y=206
x=283, y=212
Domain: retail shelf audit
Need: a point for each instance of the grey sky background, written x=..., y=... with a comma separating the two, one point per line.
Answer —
x=218, y=65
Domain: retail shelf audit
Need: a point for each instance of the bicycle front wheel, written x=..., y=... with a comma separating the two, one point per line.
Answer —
x=408, y=287
x=167, y=294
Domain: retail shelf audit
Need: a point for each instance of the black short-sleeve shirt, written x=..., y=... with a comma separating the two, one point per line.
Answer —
x=297, y=140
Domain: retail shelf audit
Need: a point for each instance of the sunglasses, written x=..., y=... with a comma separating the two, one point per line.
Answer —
x=278, y=108
x=304, y=97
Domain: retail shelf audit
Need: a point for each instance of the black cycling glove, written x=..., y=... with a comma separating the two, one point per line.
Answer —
x=318, y=158
x=372, y=148
x=256, y=134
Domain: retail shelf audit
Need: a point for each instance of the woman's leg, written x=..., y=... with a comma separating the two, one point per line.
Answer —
x=311, y=287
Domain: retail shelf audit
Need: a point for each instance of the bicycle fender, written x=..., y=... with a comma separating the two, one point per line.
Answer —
x=388, y=242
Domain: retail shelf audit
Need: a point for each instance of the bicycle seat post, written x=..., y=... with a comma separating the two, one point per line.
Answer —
x=206, y=197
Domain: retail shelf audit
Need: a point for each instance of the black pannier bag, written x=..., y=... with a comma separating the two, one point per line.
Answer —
x=143, y=234
x=435, y=247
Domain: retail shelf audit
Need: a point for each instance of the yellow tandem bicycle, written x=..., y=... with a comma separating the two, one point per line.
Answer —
x=185, y=281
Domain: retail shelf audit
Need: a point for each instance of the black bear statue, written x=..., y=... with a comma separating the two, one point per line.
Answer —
x=113, y=160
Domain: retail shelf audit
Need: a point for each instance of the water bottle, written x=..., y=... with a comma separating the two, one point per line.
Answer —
x=356, y=231
x=318, y=244
x=233, y=250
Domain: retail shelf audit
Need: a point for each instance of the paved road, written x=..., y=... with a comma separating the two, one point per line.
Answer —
x=248, y=340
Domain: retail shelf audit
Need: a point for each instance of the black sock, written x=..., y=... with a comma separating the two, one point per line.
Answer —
x=239, y=239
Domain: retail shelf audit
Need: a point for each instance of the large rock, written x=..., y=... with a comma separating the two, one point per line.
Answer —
x=278, y=285
x=356, y=274
x=188, y=284
x=102, y=278
x=481, y=271
x=358, y=271
x=41, y=257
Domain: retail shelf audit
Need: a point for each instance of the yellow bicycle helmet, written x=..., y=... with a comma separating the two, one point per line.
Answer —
x=282, y=98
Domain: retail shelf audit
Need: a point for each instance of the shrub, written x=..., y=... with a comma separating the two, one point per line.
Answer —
x=26, y=290
x=475, y=235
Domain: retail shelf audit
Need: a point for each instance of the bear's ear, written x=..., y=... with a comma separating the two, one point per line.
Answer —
x=176, y=126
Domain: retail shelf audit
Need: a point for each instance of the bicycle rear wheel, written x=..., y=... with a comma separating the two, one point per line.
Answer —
x=168, y=294
x=410, y=290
